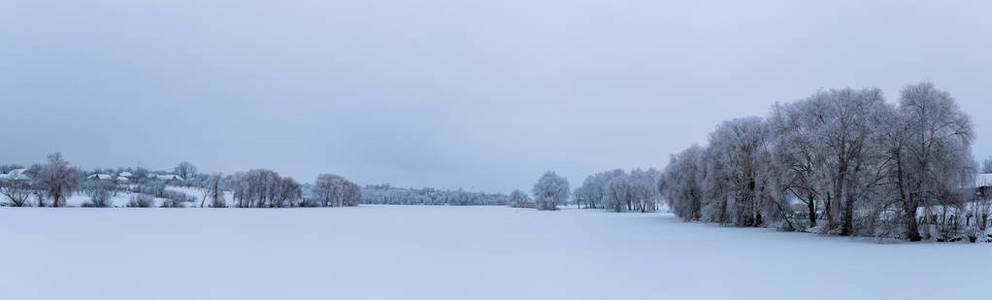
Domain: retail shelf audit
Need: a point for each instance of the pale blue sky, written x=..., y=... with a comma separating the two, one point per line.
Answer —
x=483, y=95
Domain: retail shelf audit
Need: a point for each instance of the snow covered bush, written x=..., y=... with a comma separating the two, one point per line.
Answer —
x=99, y=192
x=177, y=196
x=141, y=200
x=98, y=198
x=172, y=203
x=151, y=187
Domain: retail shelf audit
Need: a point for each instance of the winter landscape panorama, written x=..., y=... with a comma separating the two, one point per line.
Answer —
x=514, y=149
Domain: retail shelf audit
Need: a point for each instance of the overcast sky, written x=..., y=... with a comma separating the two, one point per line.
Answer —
x=484, y=95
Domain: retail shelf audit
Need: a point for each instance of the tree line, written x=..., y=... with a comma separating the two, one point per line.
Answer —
x=50, y=184
x=387, y=194
x=619, y=191
x=841, y=161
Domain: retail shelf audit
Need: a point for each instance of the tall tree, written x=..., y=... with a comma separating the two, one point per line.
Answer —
x=58, y=179
x=681, y=184
x=935, y=151
x=736, y=144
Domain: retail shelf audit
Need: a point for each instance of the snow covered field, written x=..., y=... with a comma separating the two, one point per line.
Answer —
x=417, y=252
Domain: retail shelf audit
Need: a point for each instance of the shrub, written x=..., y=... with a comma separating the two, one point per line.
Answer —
x=309, y=203
x=99, y=198
x=172, y=203
x=151, y=187
x=99, y=192
x=141, y=200
x=177, y=196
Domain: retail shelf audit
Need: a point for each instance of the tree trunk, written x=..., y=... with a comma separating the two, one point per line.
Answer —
x=835, y=204
x=812, y=211
x=912, y=231
x=848, y=228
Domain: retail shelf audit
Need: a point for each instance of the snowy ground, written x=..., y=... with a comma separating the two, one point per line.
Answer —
x=416, y=252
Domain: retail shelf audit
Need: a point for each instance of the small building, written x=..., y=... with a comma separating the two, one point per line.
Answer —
x=100, y=176
x=15, y=174
x=983, y=185
x=167, y=177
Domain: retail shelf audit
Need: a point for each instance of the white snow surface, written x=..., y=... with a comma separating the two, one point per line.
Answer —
x=423, y=252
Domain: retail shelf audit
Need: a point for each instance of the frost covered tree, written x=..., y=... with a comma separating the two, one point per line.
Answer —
x=592, y=192
x=58, y=179
x=211, y=188
x=634, y=191
x=645, y=196
x=550, y=191
x=987, y=165
x=844, y=158
x=619, y=190
x=933, y=154
x=681, y=184
x=255, y=188
x=849, y=130
x=185, y=170
x=585, y=194
x=797, y=153
x=739, y=142
x=386, y=194
x=618, y=194
x=18, y=190
x=333, y=190
x=289, y=191
x=519, y=199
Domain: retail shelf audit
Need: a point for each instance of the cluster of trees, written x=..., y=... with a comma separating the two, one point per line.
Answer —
x=386, y=194
x=840, y=161
x=333, y=190
x=49, y=184
x=263, y=188
x=620, y=191
x=52, y=183
x=550, y=192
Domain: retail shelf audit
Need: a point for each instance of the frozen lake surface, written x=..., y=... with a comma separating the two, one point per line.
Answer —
x=417, y=252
